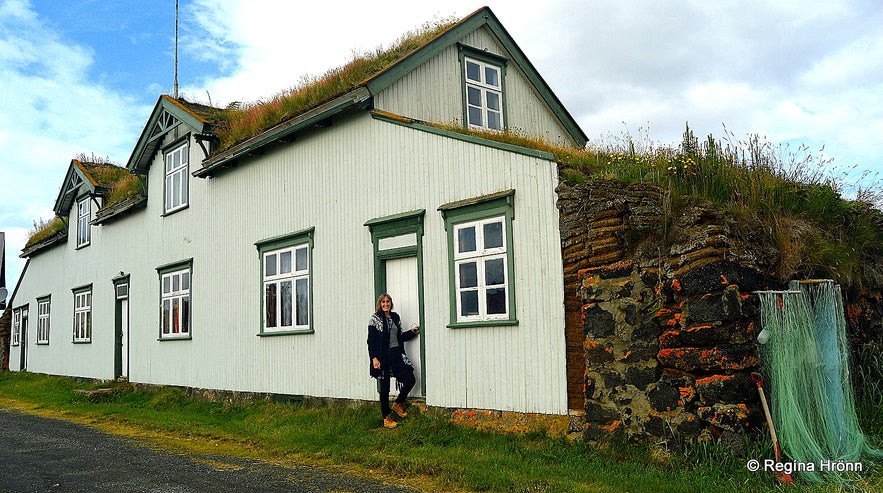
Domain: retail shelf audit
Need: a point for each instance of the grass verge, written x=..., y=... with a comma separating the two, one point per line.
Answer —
x=426, y=451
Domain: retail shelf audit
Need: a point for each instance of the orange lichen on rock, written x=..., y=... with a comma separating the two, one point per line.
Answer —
x=700, y=382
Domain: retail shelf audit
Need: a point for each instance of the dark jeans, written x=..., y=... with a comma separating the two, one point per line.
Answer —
x=405, y=378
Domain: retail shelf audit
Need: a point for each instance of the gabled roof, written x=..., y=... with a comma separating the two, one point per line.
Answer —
x=360, y=93
x=481, y=17
x=167, y=114
x=82, y=178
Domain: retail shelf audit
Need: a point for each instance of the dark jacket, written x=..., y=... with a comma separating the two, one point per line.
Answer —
x=378, y=342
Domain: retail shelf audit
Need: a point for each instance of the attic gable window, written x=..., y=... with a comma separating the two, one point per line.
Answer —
x=176, y=182
x=84, y=213
x=484, y=95
x=484, y=81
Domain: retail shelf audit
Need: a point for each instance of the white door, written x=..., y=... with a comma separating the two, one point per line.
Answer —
x=402, y=285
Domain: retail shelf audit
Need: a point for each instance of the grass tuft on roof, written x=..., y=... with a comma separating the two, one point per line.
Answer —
x=43, y=230
x=239, y=124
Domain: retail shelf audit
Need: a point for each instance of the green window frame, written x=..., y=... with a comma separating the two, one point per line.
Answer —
x=483, y=79
x=44, y=306
x=82, y=325
x=176, y=176
x=286, y=279
x=481, y=263
x=176, y=301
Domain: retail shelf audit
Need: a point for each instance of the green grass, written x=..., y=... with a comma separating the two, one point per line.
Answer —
x=427, y=450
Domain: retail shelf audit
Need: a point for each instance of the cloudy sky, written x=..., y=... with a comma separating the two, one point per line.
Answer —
x=81, y=76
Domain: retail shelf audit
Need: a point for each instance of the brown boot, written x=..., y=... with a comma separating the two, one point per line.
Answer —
x=389, y=423
x=399, y=409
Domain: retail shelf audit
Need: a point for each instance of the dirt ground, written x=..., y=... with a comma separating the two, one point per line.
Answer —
x=48, y=455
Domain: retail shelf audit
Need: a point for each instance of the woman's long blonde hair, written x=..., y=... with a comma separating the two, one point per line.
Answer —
x=380, y=298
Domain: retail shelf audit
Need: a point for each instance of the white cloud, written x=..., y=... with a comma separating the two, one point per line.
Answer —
x=50, y=111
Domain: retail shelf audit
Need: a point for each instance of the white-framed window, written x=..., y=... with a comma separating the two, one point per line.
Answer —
x=177, y=183
x=15, y=336
x=481, y=260
x=43, y=307
x=484, y=94
x=84, y=213
x=287, y=288
x=83, y=315
x=480, y=269
x=175, y=304
x=286, y=284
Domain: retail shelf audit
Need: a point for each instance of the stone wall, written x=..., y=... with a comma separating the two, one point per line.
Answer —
x=661, y=310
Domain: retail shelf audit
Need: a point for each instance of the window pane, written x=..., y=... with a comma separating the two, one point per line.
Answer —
x=166, y=315
x=270, y=265
x=184, y=188
x=301, y=261
x=176, y=282
x=492, y=76
x=468, y=303
x=496, y=301
x=475, y=116
x=493, y=234
x=468, y=275
x=466, y=239
x=166, y=284
x=303, y=301
x=493, y=272
x=473, y=96
x=473, y=71
x=176, y=189
x=285, y=262
x=185, y=315
x=493, y=100
x=494, y=121
x=185, y=281
x=176, y=316
x=285, y=308
x=270, y=304
x=88, y=325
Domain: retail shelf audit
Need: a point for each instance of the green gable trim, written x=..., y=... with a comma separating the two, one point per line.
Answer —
x=165, y=117
x=482, y=17
x=472, y=139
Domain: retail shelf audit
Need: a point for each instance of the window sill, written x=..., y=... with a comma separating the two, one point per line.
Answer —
x=483, y=323
x=42, y=343
x=84, y=245
x=286, y=333
x=175, y=211
x=83, y=342
x=181, y=338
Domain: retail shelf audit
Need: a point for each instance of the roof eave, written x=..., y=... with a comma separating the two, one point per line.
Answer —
x=352, y=99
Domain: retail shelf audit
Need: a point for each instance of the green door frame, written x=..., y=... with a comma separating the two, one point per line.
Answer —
x=402, y=224
x=121, y=280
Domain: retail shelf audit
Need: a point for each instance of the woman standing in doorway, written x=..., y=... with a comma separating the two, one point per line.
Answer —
x=386, y=349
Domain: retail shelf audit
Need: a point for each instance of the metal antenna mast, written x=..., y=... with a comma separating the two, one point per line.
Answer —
x=176, y=50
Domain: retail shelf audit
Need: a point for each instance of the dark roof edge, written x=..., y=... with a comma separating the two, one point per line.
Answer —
x=56, y=239
x=116, y=211
x=337, y=105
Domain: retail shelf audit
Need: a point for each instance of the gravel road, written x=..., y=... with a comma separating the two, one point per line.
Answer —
x=48, y=455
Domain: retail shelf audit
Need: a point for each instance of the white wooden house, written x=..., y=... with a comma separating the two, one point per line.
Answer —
x=255, y=267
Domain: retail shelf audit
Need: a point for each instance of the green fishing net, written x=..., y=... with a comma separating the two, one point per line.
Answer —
x=806, y=368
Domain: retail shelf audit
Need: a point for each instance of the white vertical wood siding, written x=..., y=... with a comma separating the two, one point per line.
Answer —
x=335, y=180
x=433, y=92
